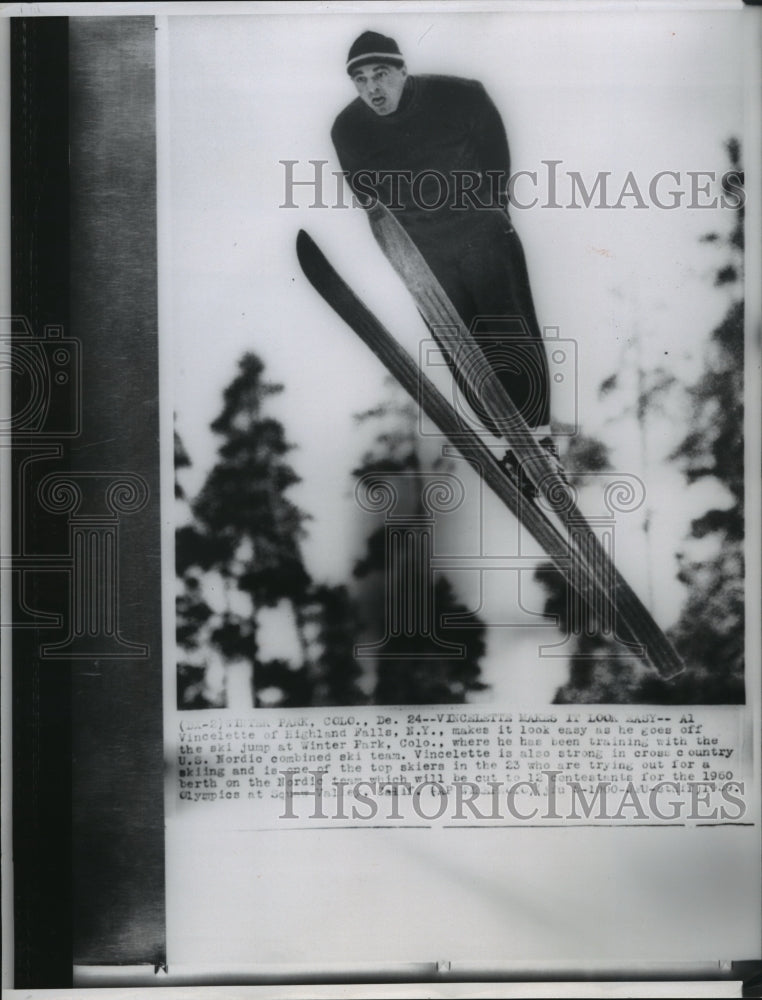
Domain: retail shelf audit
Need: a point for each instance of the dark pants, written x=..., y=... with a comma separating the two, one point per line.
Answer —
x=481, y=266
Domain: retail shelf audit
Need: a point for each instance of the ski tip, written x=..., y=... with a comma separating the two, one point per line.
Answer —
x=313, y=262
x=305, y=246
x=666, y=660
x=675, y=670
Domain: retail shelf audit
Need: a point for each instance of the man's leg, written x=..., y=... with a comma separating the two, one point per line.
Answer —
x=482, y=270
x=445, y=268
x=493, y=268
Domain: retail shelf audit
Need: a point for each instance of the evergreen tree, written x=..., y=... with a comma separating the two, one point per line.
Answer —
x=334, y=617
x=413, y=675
x=249, y=532
x=192, y=613
x=710, y=631
x=237, y=551
x=597, y=671
x=182, y=461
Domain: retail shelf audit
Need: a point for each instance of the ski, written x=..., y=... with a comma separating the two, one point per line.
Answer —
x=441, y=316
x=572, y=561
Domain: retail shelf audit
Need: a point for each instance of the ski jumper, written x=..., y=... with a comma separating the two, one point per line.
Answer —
x=440, y=162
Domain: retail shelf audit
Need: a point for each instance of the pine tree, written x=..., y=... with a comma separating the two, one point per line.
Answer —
x=249, y=531
x=597, y=671
x=192, y=613
x=710, y=631
x=407, y=677
x=182, y=461
x=334, y=617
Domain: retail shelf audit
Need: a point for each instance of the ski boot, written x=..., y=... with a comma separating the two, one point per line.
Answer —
x=551, y=448
x=510, y=464
x=512, y=468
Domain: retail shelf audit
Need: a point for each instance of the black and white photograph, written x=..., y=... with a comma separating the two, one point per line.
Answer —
x=381, y=468
x=585, y=225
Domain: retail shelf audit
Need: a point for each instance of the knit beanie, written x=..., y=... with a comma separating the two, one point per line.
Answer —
x=373, y=47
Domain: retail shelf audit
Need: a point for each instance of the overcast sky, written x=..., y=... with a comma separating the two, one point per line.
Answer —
x=617, y=92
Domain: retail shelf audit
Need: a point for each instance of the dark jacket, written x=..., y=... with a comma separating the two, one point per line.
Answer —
x=441, y=155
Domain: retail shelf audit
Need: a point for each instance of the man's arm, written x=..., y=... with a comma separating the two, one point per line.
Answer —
x=348, y=156
x=491, y=141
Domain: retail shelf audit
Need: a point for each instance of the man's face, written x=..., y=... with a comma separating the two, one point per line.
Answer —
x=380, y=86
